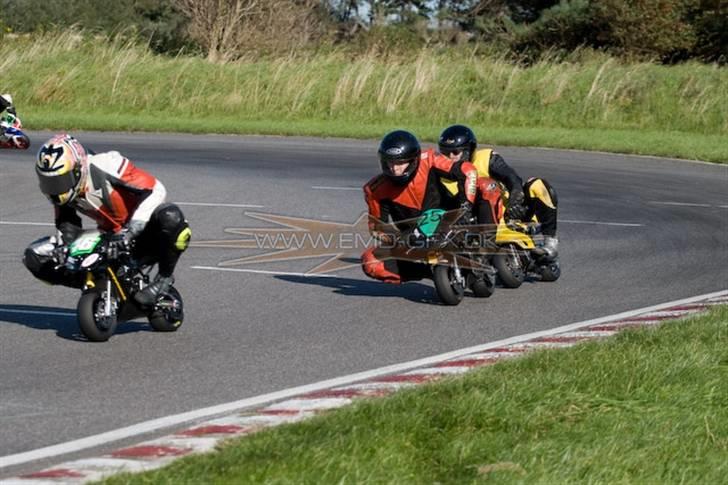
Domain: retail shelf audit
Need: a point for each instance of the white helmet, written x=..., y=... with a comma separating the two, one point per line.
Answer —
x=61, y=168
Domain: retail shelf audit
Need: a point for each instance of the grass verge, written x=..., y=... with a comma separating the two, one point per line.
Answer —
x=646, y=406
x=690, y=146
x=68, y=81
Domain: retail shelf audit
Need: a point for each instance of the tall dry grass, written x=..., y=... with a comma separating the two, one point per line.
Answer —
x=74, y=73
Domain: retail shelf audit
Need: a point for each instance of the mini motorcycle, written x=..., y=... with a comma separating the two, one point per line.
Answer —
x=515, y=241
x=14, y=137
x=111, y=278
x=515, y=259
x=457, y=254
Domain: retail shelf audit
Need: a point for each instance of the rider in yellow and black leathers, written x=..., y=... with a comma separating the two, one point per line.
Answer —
x=534, y=198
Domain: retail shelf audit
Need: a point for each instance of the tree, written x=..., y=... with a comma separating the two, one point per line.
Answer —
x=217, y=24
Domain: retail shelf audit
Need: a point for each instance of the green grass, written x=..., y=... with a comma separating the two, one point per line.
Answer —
x=646, y=406
x=65, y=81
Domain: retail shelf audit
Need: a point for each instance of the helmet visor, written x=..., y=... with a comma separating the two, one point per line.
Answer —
x=399, y=168
x=454, y=152
x=57, y=184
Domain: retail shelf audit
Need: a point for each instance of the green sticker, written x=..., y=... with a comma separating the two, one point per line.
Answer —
x=430, y=221
x=84, y=244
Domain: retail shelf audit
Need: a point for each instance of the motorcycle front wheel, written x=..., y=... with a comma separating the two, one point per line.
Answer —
x=448, y=288
x=22, y=142
x=93, y=324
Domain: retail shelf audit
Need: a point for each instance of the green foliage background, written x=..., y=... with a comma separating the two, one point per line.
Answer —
x=665, y=30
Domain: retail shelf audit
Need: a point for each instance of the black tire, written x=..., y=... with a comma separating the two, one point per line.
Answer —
x=93, y=330
x=484, y=287
x=168, y=320
x=510, y=268
x=23, y=142
x=551, y=271
x=449, y=291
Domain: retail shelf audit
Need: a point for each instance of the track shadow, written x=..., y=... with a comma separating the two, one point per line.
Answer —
x=412, y=291
x=62, y=320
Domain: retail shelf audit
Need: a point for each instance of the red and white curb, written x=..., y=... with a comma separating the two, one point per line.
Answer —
x=206, y=435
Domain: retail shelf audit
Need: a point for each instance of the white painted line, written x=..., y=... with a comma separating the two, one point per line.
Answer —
x=723, y=206
x=37, y=312
x=262, y=271
x=210, y=204
x=685, y=204
x=265, y=399
x=600, y=223
x=23, y=223
x=326, y=187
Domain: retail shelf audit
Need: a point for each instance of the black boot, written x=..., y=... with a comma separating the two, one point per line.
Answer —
x=148, y=296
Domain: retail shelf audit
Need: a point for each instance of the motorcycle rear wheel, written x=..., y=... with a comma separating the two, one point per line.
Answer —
x=510, y=267
x=483, y=288
x=168, y=320
x=450, y=291
x=91, y=327
x=551, y=271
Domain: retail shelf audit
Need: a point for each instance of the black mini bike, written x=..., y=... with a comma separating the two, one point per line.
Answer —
x=111, y=278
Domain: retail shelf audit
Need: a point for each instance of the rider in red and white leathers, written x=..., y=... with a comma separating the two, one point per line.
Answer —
x=121, y=198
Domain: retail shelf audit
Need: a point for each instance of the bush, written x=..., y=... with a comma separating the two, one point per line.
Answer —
x=658, y=29
x=155, y=21
x=711, y=30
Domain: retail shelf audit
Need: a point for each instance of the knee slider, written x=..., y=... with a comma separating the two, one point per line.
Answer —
x=42, y=267
x=539, y=189
x=172, y=223
x=34, y=261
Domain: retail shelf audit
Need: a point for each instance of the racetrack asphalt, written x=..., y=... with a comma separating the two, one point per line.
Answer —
x=246, y=334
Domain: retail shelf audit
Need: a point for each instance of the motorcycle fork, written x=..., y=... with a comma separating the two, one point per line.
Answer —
x=457, y=273
x=89, y=281
x=119, y=289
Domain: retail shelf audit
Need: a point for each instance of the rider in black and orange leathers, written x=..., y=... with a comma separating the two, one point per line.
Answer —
x=534, y=198
x=410, y=183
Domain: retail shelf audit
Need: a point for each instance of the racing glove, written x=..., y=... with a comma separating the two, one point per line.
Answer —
x=468, y=217
x=516, y=206
x=118, y=244
x=123, y=240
